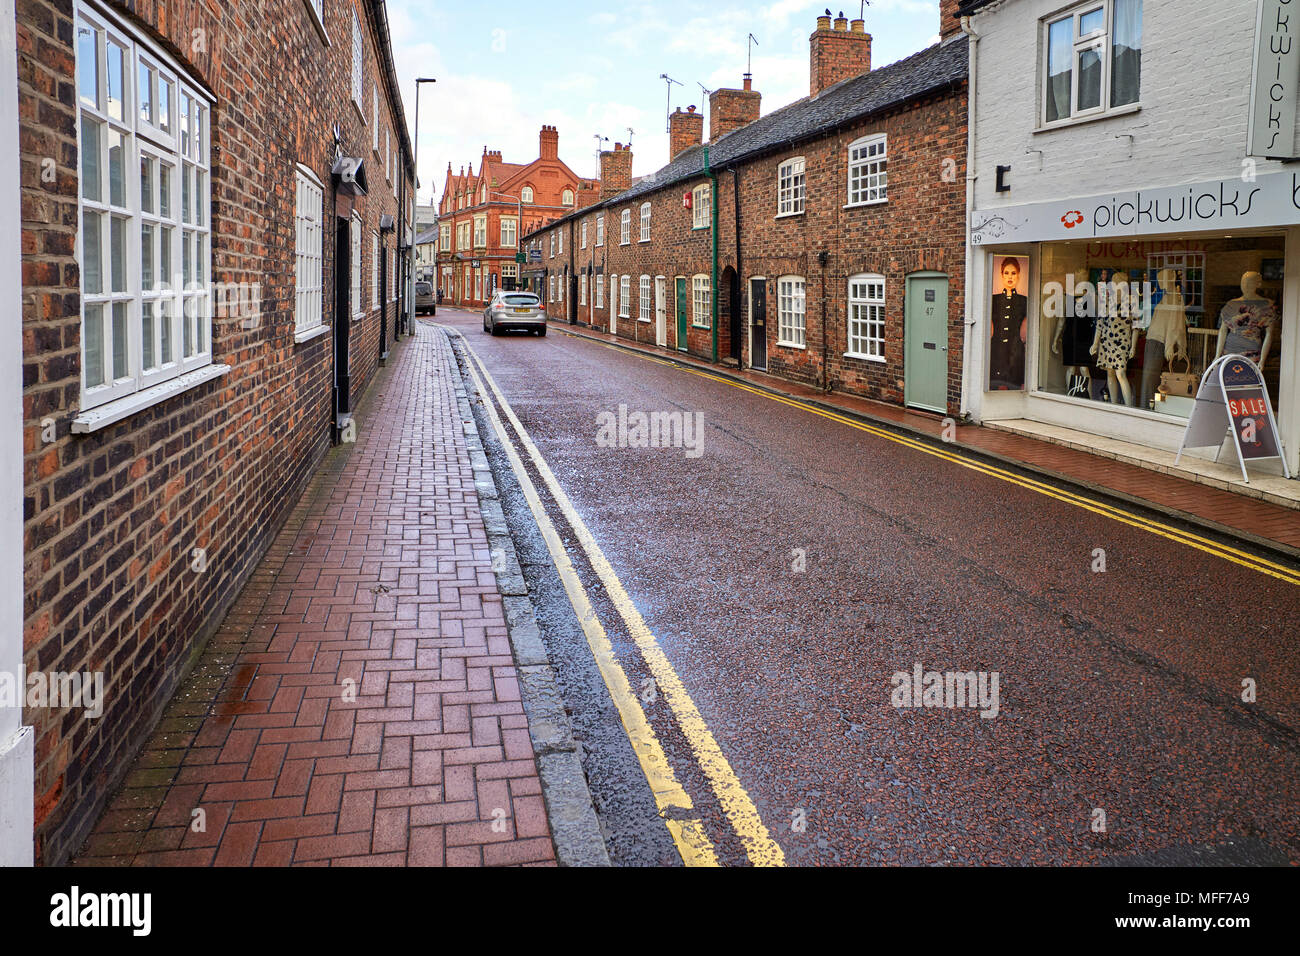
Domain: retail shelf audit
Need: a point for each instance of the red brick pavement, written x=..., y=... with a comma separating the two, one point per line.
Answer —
x=359, y=705
x=1227, y=510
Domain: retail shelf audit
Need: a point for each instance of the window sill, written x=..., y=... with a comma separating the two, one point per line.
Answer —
x=696, y=325
x=792, y=345
x=699, y=228
x=316, y=22
x=880, y=360
x=646, y=321
x=309, y=334
x=1128, y=110
x=112, y=412
x=789, y=215
x=869, y=202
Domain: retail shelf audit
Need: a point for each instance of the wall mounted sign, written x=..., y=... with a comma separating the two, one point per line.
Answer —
x=1233, y=399
x=1273, y=199
x=1274, y=79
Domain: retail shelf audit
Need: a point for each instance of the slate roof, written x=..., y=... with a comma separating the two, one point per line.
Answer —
x=934, y=68
x=428, y=235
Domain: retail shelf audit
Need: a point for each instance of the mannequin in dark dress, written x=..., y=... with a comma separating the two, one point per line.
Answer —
x=1008, y=328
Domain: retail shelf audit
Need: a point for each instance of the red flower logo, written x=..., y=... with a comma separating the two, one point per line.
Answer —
x=1072, y=218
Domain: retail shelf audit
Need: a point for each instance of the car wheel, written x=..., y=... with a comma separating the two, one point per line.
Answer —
x=542, y=331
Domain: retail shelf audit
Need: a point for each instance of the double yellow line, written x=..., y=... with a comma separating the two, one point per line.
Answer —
x=1228, y=553
x=675, y=804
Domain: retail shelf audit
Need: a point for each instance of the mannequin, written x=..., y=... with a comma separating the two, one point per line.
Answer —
x=1115, y=340
x=1167, y=336
x=1248, y=325
x=1073, y=333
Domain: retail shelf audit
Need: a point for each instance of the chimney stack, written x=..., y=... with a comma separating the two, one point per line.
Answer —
x=549, y=147
x=949, y=22
x=731, y=109
x=615, y=170
x=684, y=131
x=837, y=52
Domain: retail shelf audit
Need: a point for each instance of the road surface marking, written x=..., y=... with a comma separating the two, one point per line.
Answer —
x=688, y=833
x=736, y=803
x=1224, y=551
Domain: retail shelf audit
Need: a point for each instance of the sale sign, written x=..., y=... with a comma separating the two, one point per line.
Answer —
x=1248, y=409
x=1233, y=399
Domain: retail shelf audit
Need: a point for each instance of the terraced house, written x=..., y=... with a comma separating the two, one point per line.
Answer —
x=212, y=199
x=823, y=242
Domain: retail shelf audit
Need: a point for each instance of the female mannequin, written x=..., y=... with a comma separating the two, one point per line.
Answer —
x=1248, y=325
x=1075, y=329
x=1167, y=336
x=1115, y=340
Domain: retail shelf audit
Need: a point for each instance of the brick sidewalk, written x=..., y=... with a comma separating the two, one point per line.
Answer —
x=381, y=581
x=1225, y=511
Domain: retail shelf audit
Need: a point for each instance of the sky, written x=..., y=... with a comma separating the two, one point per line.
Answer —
x=506, y=68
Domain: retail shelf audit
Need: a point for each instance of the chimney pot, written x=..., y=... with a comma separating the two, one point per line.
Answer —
x=749, y=82
x=858, y=26
x=841, y=23
x=824, y=23
x=690, y=109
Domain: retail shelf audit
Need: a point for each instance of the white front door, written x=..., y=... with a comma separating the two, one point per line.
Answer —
x=661, y=318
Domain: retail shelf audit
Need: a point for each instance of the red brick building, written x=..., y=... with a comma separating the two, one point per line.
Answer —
x=823, y=242
x=212, y=196
x=483, y=214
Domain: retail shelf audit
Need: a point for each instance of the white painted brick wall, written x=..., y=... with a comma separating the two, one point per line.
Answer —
x=1196, y=63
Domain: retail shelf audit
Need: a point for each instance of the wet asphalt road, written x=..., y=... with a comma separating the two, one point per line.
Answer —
x=1119, y=692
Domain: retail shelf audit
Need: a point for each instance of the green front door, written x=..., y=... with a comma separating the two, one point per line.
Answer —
x=681, y=315
x=925, y=342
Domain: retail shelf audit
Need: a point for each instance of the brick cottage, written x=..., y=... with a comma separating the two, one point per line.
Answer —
x=212, y=197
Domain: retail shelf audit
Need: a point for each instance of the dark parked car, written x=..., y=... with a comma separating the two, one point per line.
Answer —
x=514, y=310
x=424, y=301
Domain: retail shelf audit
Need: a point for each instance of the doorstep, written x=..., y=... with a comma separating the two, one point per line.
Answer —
x=1262, y=513
x=1224, y=474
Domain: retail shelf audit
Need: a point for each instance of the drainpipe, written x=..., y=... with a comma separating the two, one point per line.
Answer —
x=968, y=383
x=713, y=210
x=740, y=276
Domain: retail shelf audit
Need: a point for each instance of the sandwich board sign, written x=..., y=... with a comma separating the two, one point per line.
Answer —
x=1233, y=399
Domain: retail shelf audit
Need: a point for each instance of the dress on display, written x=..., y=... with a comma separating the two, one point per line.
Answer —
x=1077, y=339
x=1116, y=341
x=1247, y=322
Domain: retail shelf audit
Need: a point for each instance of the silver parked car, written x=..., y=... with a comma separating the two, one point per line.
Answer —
x=514, y=310
x=424, y=299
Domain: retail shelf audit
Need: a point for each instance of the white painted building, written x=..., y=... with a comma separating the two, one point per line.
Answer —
x=1110, y=138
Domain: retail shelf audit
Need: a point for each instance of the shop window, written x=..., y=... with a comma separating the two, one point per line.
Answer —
x=790, y=187
x=867, y=317
x=868, y=170
x=1135, y=324
x=1093, y=59
x=790, y=297
x=701, y=302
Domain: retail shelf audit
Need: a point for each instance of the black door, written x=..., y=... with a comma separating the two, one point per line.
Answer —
x=737, y=319
x=383, y=304
x=758, y=323
x=342, y=320
x=573, y=299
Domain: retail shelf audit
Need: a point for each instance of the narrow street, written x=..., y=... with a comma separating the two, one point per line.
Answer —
x=788, y=566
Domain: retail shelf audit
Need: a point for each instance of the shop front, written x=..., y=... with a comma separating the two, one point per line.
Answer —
x=1100, y=315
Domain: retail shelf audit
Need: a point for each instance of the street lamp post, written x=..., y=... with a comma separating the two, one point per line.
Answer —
x=410, y=300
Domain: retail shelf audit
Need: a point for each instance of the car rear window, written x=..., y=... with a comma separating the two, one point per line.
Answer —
x=423, y=288
x=519, y=299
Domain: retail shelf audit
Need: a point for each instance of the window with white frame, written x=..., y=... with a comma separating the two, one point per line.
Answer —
x=701, y=302
x=552, y=238
x=625, y=227
x=358, y=61
x=374, y=270
x=790, y=299
x=645, y=222
x=444, y=236
x=144, y=244
x=509, y=231
x=600, y=229
x=868, y=172
x=790, y=187
x=613, y=295
x=551, y=285
x=582, y=232
x=355, y=266
x=647, y=298
x=624, y=296
x=526, y=194
x=582, y=291
x=478, y=283
x=600, y=292
x=566, y=198
x=1092, y=58
x=701, y=207
x=374, y=99
x=480, y=232
x=560, y=241
x=308, y=312
x=388, y=156
x=509, y=270
x=465, y=287
x=561, y=282
x=867, y=316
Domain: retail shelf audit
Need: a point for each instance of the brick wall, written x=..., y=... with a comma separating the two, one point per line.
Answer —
x=920, y=228
x=113, y=516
